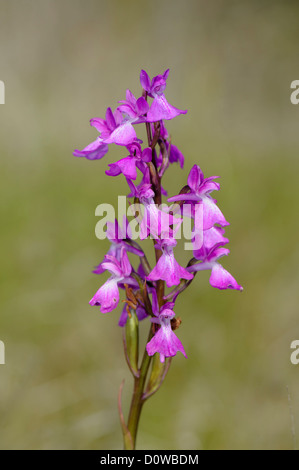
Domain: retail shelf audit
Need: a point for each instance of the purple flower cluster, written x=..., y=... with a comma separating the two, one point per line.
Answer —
x=158, y=223
x=211, y=247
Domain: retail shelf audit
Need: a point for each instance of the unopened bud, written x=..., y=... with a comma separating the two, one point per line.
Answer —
x=132, y=340
x=158, y=373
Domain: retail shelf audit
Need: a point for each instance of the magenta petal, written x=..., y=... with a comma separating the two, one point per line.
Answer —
x=99, y=269
x=195, y=178
x=217, y=253
x=125, y=263
x=212, y=214
x=176, y=156
x=199, y=267
x=145, y=81
x=114, y=170
x=113, y=231
x=147, y=155
x=183, y=273
x=107, y=296
x=141, y=166
x=161, y=109
x=130, y=97
x=133, y=188
x=141, y=313
x=130, y=281
x=110, y=120
x=118, y=117
x=155, y=303
x=133, y=250
x=122, y=135
x=166, y=343
x=127, y=166
x=112, y=267
x=212, y=238
x=154, y=345
x=155, y=220
x=141, y=106
x=123, y=316
x=158, y=85
x=99, y=124
x=207, y=187
x=222, y=279
x=127, y=109
x=169, y=270
x=159, y=270
x=94, y=151
x=165, y=74
x=143, y=227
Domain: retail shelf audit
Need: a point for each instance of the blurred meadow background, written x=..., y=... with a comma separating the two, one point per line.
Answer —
x=231, y=65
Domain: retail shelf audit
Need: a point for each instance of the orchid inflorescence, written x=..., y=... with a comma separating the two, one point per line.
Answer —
x=144, y=287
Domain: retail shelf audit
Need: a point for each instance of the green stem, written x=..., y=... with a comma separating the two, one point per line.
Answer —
x=137, y=399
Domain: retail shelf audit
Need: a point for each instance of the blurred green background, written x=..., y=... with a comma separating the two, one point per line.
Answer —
x=232, y=62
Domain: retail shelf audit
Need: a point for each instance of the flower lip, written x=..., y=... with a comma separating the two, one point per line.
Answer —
x=165, y=342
